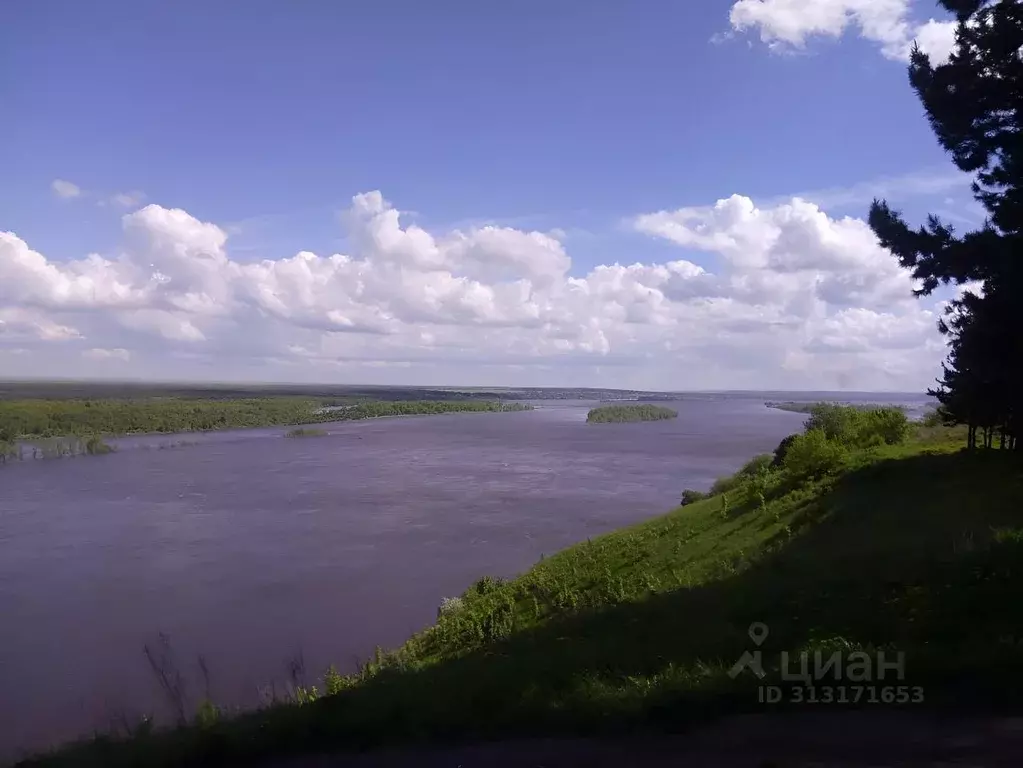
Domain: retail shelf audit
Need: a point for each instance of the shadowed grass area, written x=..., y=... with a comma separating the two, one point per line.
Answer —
x=914, y=548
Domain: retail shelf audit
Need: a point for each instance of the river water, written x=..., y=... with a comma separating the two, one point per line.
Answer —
x=254, y=550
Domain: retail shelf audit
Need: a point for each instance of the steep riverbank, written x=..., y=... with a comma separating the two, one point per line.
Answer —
x=910, y=549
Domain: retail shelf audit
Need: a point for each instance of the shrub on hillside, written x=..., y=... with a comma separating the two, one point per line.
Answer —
x=781, y=450
x=756, y=466
x=859, y=427
x=889, y=425
x=450, y=605
x=752, y=468
x=485, y=585
x=690, y=496
x=835, y=422
x=725, y=484
x=812, y=455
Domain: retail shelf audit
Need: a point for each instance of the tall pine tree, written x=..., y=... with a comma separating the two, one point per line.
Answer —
x=974, y=103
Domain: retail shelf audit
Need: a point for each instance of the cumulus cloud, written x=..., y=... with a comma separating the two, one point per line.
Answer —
x=24, y=324
x=65, y=189
x=789, y=24
x=824, y=282
x=792, y=249
x=784, y=296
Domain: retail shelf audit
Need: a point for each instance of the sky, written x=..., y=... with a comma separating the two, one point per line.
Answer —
x=650, y=195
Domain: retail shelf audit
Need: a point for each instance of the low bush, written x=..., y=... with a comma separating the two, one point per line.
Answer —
x=485, y=585
x=689, y=496
x=782, y=450
x=725, y=484
x=835, y=422
x=450, y=605
x=812, y=455
x=859, y=427
x=755, y=466
x=889, y=425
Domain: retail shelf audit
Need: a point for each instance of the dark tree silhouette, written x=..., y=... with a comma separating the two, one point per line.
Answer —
x=974, y=103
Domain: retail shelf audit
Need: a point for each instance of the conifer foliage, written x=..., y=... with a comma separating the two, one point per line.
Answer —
x=974, y=103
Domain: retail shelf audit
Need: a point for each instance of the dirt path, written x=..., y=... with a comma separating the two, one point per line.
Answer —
x=828, y=739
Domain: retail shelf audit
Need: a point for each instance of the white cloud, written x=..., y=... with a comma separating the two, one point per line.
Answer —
x=787, y=250
x=128, y=199
x=25, y=324
x=65, y=189
x=98, y=353
x=937, y=39
x=173, y=326
x=793, y=297
x=29, y=278
x=790, y=24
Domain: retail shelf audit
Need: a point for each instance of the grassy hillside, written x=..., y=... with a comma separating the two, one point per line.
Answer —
x=915, y=547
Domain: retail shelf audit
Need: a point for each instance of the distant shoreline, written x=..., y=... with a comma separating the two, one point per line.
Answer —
x=795, y=407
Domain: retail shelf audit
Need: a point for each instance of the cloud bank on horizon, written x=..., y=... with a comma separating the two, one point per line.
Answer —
x=790, y=296
x=799, y=298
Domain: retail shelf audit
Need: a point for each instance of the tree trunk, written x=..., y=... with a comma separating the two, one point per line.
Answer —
x=1001, y=439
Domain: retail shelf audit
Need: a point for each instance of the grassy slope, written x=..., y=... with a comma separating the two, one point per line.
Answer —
x=916, y=548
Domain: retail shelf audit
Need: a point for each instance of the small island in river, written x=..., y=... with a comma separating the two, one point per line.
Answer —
x=607, y=414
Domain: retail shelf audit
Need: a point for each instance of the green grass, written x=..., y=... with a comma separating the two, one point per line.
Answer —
x=916, y=547
x=607, y=414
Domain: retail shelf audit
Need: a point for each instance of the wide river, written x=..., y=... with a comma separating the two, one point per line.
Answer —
x=254, y=550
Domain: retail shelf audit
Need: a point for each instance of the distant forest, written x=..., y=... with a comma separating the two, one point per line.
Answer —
x=811, y=407
x=58, y=418
x=327, y=393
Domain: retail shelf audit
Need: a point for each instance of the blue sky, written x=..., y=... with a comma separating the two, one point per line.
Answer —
x=266, y=118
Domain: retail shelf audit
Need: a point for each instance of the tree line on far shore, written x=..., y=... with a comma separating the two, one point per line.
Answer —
x=31, y=419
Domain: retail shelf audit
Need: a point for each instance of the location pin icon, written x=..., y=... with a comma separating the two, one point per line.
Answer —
x=757, y=632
